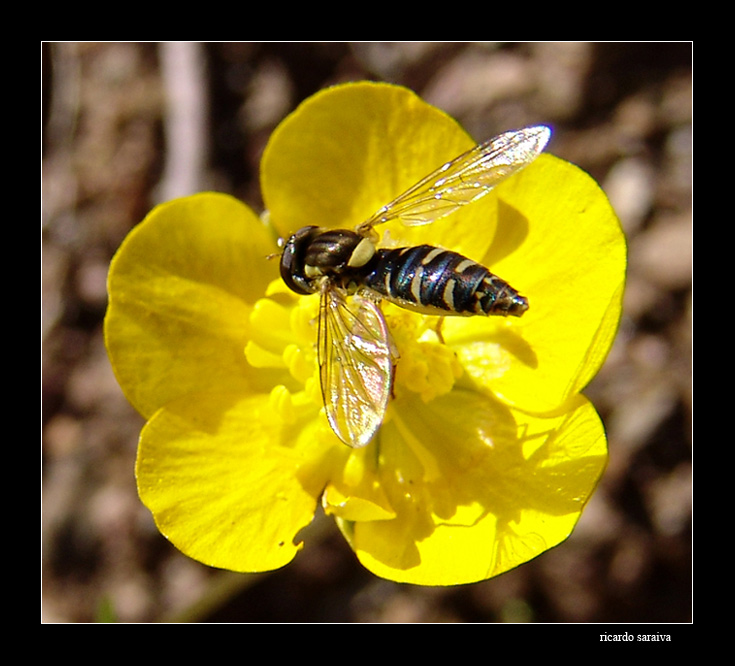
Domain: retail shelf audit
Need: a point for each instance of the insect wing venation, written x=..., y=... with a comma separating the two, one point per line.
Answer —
x=466, y=178
x=355, y=365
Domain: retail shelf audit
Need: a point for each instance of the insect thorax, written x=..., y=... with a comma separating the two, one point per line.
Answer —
x=313, y=253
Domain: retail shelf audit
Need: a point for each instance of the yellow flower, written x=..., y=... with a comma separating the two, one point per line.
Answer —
x=488, y=452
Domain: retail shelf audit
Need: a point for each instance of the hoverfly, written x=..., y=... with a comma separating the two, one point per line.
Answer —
x=352, y=276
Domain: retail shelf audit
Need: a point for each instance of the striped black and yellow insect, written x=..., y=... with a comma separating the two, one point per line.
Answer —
x=353, y=275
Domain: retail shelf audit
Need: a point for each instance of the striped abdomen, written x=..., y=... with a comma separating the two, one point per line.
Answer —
x=440, y=282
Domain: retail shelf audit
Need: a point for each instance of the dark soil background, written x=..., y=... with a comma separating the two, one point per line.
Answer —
x=128, y=124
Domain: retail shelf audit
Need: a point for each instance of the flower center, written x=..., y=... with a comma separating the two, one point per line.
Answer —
x=283, y=335
x=426, y=365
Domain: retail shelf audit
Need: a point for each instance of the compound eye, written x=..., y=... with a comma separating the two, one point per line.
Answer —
x=292, y=261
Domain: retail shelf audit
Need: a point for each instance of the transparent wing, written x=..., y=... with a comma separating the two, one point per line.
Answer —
x=465, y=179
x=355, y=365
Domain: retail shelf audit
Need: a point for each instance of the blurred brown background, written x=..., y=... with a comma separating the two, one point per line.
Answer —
x=128, y=124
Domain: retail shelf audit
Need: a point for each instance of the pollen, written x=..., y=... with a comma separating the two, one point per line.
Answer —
x=281, y=402
x=290, y=406
x=258, y=357
x=299, y=364
x=425, y=365
x=303, y=319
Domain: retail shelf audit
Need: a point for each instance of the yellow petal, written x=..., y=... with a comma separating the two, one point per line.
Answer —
x=356, y=493
x=349, y=150
x=560, y=244
x=181, y=287
x=230, y=483
x=478, y=489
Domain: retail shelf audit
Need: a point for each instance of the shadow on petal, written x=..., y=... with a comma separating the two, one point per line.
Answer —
x=511, y=232
x=478, y=488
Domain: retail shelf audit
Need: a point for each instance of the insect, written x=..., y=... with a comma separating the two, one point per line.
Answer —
x=352, y=275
